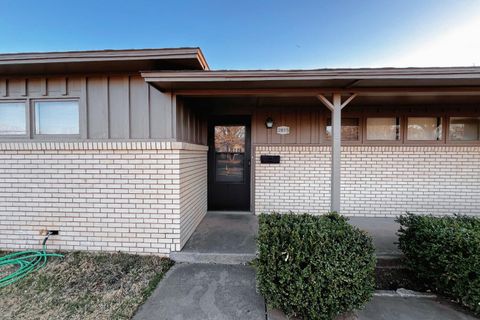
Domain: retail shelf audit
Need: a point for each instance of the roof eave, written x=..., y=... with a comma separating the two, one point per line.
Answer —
x=340, y=78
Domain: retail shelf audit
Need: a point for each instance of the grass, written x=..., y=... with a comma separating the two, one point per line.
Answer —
x=84, y=286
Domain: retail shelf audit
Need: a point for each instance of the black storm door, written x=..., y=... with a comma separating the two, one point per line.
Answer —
x=229, y=163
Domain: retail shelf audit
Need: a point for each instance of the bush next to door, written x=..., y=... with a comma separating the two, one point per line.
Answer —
x=444, y=253
x=314, y=267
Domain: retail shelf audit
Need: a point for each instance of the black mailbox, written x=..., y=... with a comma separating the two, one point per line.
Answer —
x=269, y=159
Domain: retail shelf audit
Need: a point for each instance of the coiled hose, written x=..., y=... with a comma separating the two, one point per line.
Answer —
x=27, y=261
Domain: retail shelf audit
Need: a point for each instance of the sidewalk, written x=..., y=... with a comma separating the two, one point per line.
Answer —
x=205, y=291
x=224, y=292
x=211, y=281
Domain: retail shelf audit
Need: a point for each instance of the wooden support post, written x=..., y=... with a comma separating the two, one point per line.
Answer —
x=336, y=107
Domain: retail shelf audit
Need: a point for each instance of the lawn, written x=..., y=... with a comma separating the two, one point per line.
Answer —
x=84, y=286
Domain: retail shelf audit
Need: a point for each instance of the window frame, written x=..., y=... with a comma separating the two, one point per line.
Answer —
x=460, y=142
x=54, y=136
x=442, y=140
x=400, y=140
x=323, y=129
x=26, y=118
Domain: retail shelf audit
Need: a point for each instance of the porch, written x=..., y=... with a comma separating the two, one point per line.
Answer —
x=229, y=238
x=335, y=114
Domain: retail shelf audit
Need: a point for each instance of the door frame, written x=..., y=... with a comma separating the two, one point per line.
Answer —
x=245, y=120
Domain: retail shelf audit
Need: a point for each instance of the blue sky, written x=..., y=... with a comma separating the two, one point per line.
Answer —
x=261, y=34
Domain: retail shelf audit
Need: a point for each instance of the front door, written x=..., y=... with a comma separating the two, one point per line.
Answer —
x=229, y=163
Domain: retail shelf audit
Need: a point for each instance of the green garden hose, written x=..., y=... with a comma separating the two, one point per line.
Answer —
x=27, y=262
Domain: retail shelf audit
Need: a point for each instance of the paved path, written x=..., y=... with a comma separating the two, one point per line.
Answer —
x=205, y=291
x=396, y=308
x=227, y=290
x=222, y=238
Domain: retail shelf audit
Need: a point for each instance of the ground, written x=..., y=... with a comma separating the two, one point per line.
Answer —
x=84, y=286
x=225, y=288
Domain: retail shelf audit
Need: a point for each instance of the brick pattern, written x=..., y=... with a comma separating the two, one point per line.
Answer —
x=386, y=181
x=301, y=182
x=100, y=196
x=193, y=191
x=376, y=180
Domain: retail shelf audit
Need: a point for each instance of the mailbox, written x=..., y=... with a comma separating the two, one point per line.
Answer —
x=269, y=159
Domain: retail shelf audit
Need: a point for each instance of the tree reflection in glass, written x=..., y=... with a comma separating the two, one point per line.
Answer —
x=229, y=153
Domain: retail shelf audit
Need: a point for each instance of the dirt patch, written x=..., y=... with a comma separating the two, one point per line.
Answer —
x=84, y=286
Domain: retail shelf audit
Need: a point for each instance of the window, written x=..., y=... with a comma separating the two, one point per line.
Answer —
x=13, y=118
x=229, y=154
x=464, y=128
x=424, y=128
x=56, y=117
x=350, y=129
x=383, y=128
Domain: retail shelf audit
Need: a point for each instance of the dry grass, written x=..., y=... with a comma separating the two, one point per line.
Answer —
x=84, y=286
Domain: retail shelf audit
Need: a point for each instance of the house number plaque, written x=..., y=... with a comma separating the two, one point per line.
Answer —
x=283, y=130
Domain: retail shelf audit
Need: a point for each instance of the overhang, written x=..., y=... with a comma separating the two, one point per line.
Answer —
x=311, y=82
x=102, y=61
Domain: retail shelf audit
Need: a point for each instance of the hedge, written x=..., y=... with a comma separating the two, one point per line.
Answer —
x=314, y=267
x=444, y=253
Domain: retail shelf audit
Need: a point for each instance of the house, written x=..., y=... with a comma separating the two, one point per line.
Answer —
x=128, y=149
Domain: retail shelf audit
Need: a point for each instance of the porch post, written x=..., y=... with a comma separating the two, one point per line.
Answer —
x=336, y=152
x=336, y=107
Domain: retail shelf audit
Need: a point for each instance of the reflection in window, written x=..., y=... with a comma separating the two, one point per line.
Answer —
x=350, y=129
x=424, y=128
x=12, y=118
x=56, y=117
x=464, y=128
x=229, y=153
x=383, y=128
x=229, y=138
x=229, y=167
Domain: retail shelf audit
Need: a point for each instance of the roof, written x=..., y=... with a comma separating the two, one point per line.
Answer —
x=102, y=61
x=354, y=80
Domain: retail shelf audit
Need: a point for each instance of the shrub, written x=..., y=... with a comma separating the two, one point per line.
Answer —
x=314, y=267
x=444, y=253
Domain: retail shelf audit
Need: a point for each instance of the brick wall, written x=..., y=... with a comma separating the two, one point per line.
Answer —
x=193, y=190
x=376, y=180
x=385, y=181
x=301, y=182
x=111, y=196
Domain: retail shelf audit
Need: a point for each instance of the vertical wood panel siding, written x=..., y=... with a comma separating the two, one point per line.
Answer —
x=139, y=109
x=119, y=107
x=97, y=103
x=191, y=124
x=111, y=107
x=304, y=123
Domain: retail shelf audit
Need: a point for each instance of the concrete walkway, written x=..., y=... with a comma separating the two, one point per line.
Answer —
x=397, y=308
x=383, y=232
x=205, y=291
x=211, y=280
x=224, y=292
x=225, y=238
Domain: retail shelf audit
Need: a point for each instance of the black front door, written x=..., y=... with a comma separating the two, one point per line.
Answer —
x=229, y=163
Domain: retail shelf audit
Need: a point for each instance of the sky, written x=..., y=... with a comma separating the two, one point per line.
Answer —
x=256, y=34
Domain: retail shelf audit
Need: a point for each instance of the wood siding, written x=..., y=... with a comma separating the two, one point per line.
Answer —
x=191, y=123
x=307, y=118
x=111, y=107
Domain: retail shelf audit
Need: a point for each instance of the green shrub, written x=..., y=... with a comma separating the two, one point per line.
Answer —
x=314, y=267
x=444, y=253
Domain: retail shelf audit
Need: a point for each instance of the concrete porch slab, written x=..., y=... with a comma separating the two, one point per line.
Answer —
x=383, y=231
x=229, y=238
x=205, y=291
x=221, y=237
